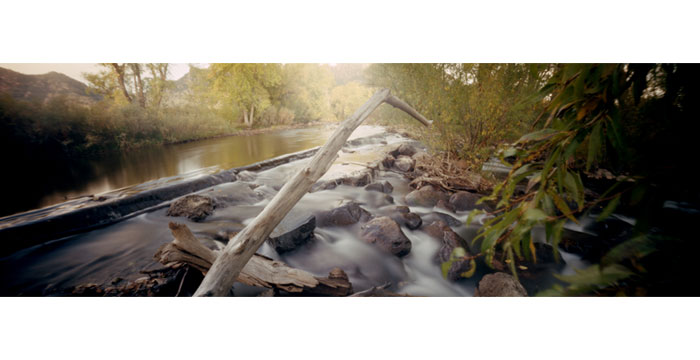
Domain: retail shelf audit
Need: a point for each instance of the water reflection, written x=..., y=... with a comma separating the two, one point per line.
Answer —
x=43, y=181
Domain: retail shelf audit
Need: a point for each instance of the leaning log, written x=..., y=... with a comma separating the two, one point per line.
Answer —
x=259, y=271
x=242, y=247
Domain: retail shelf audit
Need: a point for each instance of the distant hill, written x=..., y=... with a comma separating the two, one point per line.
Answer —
x=44, y=87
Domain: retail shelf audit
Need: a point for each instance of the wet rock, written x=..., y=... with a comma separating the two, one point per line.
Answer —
x=449, y=241
x=500, y=284
x=436, y=215
x=404, y=163
x=388, y=161
x=444, y=205
x=360, y=178
x=194, y=207
x=347, y=214
x=384, y=187
x=377, y=200
x=427, y=196
x=402, y=209
x=404, y=149
x=323, y=185
x=292, y=232
x=387, y=235
x=464, y=200
x=408, y=219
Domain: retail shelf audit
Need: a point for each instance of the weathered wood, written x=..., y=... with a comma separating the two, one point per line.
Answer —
x=259, y=271
x=243, y=246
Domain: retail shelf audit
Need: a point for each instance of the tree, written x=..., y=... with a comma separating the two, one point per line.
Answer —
x=127, y=81
x=245, y=86
x=305, y=90
x=346, y=98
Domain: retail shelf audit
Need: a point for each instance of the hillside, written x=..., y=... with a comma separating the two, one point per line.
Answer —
x=44, y=87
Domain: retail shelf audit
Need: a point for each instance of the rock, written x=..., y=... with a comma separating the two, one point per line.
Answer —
x=194, y=207
x=323, y=185
x=500, y=284
x=464, y=200
x=427, y=196
x=387, y=235
x=377, y=200
x=292, y=232
x=404, y=163
x=236, y=193
x=347, y=214
x=442, y=204
x=408, y=219
x=388, y=161
x=402, y=209
x=359, y=178
x=384, y=187
x=449, y=241
x=436, y=215
x=404, y=149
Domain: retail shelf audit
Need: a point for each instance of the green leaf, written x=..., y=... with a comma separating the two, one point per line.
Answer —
x=562, y=206
x=472, y=269
x=594, y=145
x=636, y=247
x=612, y=205
x=537, y=135
x=534, y=214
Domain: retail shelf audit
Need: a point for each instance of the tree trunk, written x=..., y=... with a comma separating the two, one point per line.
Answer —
x=136, y=68
x=119, y=69
x=243, y=246
x=252, y=111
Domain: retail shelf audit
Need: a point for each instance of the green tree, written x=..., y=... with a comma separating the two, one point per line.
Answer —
x=245, y=86
x=345, y=99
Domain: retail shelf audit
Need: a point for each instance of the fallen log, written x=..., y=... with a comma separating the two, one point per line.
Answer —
x=237, y=253
x=259, y=271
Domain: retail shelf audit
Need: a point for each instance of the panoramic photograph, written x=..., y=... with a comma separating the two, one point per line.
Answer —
x=348, y=179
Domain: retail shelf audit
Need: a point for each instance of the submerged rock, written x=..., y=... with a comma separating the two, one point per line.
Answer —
x=427, y=196
x=347, y=214
x=194, y=207
x=387, y=235
x=436, y=215
x=404, y=163
x=500, y=284
x=442, y=204
x=384, y=187
x=292, y=232
x=464, y=200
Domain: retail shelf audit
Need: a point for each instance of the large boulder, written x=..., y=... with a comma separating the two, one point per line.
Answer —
x=427, y=196
x=347, y=214
x=500, y=284
x=193, y=207
x=292, y=232
x=384, y=187
x=387, y=235
x=404, y=163
x=464, y=200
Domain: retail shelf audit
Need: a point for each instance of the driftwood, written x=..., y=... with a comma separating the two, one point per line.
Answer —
x=241, y=249
x=259, y=271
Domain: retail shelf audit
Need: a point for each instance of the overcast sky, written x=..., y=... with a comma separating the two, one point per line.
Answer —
x=75, y=71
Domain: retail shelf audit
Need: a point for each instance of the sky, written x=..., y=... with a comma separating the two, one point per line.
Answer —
x=75, y=70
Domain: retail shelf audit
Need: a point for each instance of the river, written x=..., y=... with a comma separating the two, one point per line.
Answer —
x=51, y=182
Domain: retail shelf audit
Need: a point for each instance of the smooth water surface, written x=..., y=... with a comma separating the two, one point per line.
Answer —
x=45, y=183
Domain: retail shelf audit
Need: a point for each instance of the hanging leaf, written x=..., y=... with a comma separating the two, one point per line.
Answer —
x=593, y=145
x=612, y=205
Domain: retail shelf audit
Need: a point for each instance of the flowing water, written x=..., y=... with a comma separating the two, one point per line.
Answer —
x=123, y=249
